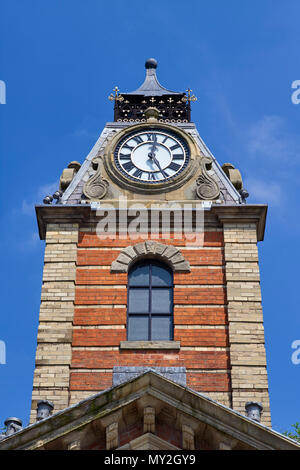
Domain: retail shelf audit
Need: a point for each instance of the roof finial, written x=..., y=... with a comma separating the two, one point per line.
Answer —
x=151, y=63
x=116, y=96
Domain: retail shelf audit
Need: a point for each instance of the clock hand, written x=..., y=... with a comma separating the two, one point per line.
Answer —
x=154, y=159
x=154, y=146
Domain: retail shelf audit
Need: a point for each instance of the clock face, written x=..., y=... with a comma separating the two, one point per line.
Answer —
x=152, y=156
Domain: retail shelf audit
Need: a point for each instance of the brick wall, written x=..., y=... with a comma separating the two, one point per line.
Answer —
x=217, y=318
x=200, y=319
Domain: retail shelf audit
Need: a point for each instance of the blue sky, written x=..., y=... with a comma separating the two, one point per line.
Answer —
x=60, y=60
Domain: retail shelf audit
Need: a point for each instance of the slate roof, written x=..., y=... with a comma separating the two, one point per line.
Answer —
x=151, y=85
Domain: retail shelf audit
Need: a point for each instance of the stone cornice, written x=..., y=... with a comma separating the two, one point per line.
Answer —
x=244, y=213
x=83, y=213
x=60, y=214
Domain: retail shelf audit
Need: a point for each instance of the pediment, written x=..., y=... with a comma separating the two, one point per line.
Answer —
x=147, y=411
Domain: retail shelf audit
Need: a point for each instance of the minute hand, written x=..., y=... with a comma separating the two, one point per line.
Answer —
x=154, y=145
x=160, y=169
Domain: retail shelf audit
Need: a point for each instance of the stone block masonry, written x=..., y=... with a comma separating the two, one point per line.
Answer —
x=54, y=354
x=249, y=380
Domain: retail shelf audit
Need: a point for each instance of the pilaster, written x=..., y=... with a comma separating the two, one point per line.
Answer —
x=53, y=354
x=245, y=319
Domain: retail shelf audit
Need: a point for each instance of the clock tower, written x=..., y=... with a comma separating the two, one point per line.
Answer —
x=151, y=262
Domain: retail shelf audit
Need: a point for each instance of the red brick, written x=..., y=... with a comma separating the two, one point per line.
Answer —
x=200, y=316
x=201, y=337
x=201, y=276
x=99, y=276
x=100, y=296
x=199, y=296
x=100, y=316
x=190, y=359
x=208, y=382
x=90, y=239
x=90, y=380
x=98, y=337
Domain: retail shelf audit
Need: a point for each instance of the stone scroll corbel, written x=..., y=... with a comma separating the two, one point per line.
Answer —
x=207, y=187
x=96, y=187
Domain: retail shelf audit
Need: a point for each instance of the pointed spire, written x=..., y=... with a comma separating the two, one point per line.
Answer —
x=151, y=85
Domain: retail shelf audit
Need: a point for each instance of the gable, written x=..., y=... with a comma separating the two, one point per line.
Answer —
x=73, y=193
x=124, y=414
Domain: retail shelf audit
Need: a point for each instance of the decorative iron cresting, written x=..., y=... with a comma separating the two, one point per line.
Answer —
x=172, y=106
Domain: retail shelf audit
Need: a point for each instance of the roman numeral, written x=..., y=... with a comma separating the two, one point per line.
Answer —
x=178, y=156
x=126, y=146
x=174, y=166
x=150, y=137
x=151, y=177
x=138, y=173
x=176, y=146
x=138, y=139
x=166, y=138
x=123, y=156
x=128, y=166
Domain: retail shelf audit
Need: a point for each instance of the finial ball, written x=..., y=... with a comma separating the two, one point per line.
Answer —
x=151, y=64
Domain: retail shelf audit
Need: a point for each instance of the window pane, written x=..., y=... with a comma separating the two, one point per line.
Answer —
x=138, y=328
x=161, y=300
x=138, y=301
x=161, y=328
x=161, y=276
x=139, y=275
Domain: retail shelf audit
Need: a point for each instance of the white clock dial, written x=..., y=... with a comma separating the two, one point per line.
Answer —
x=152, y=156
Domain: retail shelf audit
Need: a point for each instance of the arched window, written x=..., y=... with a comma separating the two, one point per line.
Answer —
x=150, y=302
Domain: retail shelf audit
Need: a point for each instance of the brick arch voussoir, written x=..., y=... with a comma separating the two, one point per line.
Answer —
x=150, y=249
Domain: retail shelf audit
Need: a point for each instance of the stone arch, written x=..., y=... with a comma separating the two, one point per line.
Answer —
x=150, y=249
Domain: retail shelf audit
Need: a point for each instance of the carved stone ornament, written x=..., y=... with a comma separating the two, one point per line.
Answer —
x=234, y=175
x=188, y=441
x=149, y=419
x=96, y=187
x=112, y=436
x=68, y=175
x=207, y=187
